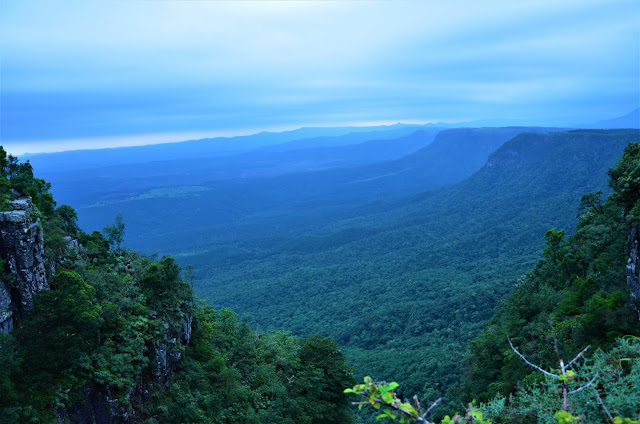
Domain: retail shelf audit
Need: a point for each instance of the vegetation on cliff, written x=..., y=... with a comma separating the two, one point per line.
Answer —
x=576, y=303
x=577, y=293
x=119, y=337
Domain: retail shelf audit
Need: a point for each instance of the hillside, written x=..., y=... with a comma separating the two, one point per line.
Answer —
x=388, y=284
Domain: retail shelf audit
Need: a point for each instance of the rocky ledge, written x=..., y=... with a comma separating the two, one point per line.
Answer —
x=22, y=250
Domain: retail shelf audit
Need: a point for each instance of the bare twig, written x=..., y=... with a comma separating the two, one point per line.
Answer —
x=585, y=386
x=433, y=405
x=418, y=406
x=529, y=363
x=577, y=356
x=603, y=405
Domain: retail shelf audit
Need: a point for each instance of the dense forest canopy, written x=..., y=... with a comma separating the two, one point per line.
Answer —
x=120, y=335
x=576, y=303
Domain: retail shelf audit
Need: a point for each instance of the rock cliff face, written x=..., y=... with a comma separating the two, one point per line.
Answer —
x=633, y=265
x=25, y=273
x=99, y=406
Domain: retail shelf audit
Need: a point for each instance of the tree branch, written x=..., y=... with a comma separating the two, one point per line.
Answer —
x=433, y=405
x=577, y=356
x=418, y=406
x=402, y=411
x=583, y=387
x=603, y=406
x=529, y=363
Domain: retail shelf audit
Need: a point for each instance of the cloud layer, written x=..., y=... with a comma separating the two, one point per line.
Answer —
x=89, y=69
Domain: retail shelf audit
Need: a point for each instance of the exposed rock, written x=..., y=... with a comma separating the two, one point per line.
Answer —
x=72, y=244
x=633, y=266
x=168, y=353
x=6, y=313
x=26, y=273
x=22, y=248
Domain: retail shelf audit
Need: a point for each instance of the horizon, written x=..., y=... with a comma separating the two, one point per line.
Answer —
x=141, y=140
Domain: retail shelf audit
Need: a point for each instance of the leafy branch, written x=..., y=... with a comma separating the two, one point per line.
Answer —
x=382, y=397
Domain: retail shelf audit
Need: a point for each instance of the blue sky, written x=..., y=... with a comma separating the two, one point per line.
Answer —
x=105, y=73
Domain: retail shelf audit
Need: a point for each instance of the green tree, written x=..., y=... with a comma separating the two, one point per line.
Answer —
x=60, y=334
x=625, y=178
x=114, y=233
x=68, y=220
x=324, y=370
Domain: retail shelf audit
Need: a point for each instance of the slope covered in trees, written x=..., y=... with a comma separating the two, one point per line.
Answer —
x=577, y=295
x=399, y=284
x=119, y=337
x=580, y=302
x=405, y=283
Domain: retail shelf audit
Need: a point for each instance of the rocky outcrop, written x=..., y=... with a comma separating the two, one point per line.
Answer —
x=633, y=265
x=22, y=250
x=25, y=272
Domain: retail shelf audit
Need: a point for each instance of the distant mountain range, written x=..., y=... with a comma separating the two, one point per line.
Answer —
x=301, y=138
x=630, y=120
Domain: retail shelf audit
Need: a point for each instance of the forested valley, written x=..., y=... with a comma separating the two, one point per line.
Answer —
x=405, y=254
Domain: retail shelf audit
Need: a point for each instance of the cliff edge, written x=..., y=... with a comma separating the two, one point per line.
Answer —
x=25, y=270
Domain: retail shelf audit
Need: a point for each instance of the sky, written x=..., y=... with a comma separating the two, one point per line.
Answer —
x=89, y=74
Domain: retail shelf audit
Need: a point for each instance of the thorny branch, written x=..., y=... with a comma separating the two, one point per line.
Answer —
x=529, y=363
x=603, y=405
x=585, y=386
x=577, y=356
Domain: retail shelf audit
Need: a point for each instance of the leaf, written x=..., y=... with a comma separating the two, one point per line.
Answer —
x=409, y=408
x=388, y=397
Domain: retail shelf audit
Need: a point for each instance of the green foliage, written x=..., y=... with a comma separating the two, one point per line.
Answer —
x=579, y=286
x=616, y=374
x=625, y=178
x=387, y=279
x=604, y=384
x=119, y=323
x=114, y=233
x=122, y=308
x=232, y=375
x=576, y=295
x=383, y=398
x=19, y=177
x=65, y=322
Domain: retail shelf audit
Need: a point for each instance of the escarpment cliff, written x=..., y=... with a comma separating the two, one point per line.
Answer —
x=126, y=320
x=25, y=270
x=633, y=265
